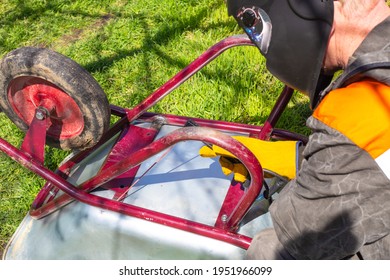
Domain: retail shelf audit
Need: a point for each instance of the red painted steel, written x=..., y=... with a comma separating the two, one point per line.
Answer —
x=35, y=139
x=277, y=110
x=183, y=134
x=232, y=199
x=49, y=191
x=230, y=127
x=133, y=138
x=27, y=93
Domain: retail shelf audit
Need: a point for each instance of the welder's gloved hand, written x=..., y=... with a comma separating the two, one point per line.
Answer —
x=280, y=157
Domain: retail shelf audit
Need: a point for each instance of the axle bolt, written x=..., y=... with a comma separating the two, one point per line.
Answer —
x=39, y=115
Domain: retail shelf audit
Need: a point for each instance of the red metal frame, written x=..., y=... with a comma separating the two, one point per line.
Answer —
x=118, y=167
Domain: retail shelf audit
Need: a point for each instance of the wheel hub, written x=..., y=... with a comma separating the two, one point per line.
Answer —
x=26, y=94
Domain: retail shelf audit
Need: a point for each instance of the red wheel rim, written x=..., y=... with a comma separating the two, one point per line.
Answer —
x=27, y=93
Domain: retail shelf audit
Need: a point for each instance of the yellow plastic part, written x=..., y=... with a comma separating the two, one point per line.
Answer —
x=279, y=157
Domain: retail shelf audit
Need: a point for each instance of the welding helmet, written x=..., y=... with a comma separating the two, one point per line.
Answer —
x=293, y=36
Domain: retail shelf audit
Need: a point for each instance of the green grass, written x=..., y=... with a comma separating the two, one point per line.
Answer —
x=131, y=48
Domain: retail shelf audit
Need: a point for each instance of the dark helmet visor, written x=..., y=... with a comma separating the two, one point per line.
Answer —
x=257, y=25
x=300, y=32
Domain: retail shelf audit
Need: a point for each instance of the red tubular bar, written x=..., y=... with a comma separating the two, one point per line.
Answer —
x=252, y=130
x=187, y=72
x=64, y=169
x=183, y=134
x=188, y=133
x=277, y=110
x=35, y=138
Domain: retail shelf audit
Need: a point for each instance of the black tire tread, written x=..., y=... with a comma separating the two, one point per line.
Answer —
x=71, y=78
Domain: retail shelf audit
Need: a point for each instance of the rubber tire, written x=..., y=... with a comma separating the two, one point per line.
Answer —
x=68, y=76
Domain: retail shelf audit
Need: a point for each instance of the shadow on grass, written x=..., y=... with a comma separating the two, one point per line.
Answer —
x=28, y=11
x=152, y=45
